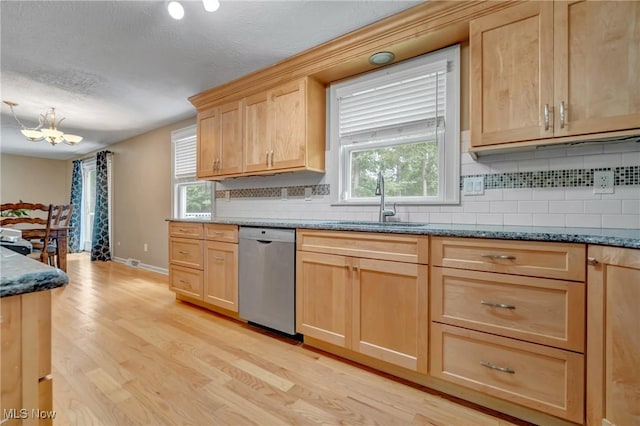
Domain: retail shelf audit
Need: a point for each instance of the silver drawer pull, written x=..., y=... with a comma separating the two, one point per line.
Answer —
x=499, y=256
x=497, y=305
x=219, y=258
x=184, y=282
x=218, y=233
x=183, y=252
x=497, y=367
x=592, y=261
x=183, y=230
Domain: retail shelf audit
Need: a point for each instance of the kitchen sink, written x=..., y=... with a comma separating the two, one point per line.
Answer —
x=375, y=224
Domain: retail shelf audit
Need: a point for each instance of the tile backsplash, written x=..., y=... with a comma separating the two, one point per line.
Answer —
x=550, y=187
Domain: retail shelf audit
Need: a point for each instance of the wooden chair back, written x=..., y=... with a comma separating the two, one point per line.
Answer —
x=63, y=216
x=33, y=219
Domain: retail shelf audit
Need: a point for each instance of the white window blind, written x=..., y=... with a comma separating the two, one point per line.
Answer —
x=184, y=154
x=406, y=104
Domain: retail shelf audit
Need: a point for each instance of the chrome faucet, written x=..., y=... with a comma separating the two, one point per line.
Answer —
x=384, y=212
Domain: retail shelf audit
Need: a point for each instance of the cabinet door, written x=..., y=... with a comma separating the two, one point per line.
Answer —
x=257, y=138
x=221, y=275
x=512, y=74
x=613, y=339
x=323, y=297
x=596, y=61
x=208, y=142
x=390, y=312
x=288, y=115
x=230, y=139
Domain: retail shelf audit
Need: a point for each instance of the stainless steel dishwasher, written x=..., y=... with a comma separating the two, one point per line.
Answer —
x=266, y=277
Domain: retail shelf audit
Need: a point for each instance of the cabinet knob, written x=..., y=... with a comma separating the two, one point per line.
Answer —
x=592, y=261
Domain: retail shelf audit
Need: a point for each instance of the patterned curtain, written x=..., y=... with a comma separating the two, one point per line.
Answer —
x=100, y=249
x=76, y=214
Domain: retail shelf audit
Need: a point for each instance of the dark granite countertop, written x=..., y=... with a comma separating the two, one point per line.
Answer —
x=628, y=238
x=20, y=274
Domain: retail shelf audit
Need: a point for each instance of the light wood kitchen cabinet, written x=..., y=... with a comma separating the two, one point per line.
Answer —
x=548, y=71
x=25, y=378
x=221, y=266
x=613, y=339
x=323, y=297
x=371, y=306
x=285, y=128
x=203, y=264
x=516, y=310
x=221, y=275
x=220, y=141
x=186, y=260
x=543, y=378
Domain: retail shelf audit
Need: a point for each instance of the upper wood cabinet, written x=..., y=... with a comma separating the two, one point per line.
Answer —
x=220, y=141
x=548, y=71
x=284, y=128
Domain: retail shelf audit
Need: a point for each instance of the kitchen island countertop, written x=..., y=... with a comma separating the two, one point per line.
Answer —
x=627, y=238
x=20, y=274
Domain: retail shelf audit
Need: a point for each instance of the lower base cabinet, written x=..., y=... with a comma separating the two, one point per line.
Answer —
x=374, y=307
x=543, y=378
x=613, y=339
x=26, y=386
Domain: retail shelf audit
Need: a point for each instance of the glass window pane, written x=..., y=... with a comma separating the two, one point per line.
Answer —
x=409, y=170
x=197, y=199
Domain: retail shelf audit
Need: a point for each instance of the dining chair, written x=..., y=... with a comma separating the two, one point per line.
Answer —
x=34, y=220
x=61, y=217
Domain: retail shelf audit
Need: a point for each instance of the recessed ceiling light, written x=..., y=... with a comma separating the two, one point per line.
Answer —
x=211, y=5
x=176, y=10
x=381, y=58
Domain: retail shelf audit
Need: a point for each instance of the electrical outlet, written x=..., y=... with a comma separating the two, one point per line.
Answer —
x=603, y=182
x=146, y=247
x=227, y=195
x=283, y=193
x=473, y=186
x=307, y=194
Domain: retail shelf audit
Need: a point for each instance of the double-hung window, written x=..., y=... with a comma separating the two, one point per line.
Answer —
x=403, y=121
x=191, y=197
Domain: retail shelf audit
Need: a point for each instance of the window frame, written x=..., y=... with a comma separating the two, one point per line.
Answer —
x=179, y=185
x=449, y=154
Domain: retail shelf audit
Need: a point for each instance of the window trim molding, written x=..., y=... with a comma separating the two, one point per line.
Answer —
x=449, y=170
x=178, y=135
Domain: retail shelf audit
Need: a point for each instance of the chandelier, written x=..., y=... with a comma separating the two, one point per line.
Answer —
x=47, y=128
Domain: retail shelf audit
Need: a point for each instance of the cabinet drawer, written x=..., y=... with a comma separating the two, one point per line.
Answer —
x=185, y=230
x=546, y=379
x=538, y=259
x=395, y=247
x=186, y=281
x=540, y=310
x=185, y=252
x=220, y=232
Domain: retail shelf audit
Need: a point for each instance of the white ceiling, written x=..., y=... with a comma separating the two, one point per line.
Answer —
x=117, y=69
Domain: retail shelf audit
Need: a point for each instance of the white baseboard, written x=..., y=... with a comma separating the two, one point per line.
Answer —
x=141, y=265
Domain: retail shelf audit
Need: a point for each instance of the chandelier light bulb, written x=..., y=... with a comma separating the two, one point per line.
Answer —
x=211, y=5
x=176, y=10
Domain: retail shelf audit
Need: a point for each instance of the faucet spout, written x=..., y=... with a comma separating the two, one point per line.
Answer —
x=384, y=212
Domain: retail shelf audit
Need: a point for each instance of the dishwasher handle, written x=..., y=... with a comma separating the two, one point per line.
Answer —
x=264, y=241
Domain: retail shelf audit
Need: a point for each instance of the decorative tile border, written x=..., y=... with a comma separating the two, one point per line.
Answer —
x=274, y=192
x=623, y=176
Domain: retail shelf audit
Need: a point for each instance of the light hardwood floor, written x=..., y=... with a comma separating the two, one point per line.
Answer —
x=125, y=352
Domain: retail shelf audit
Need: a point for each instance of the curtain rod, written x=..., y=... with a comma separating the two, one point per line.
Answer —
x=91, y=156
